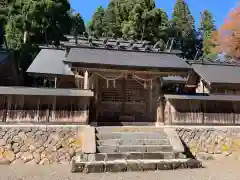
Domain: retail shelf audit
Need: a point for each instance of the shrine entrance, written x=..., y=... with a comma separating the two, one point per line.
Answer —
x=126, y=99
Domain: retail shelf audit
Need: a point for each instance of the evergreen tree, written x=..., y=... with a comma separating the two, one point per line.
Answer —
x=207, y=28
x=184, y=29
x=112, y=28
x=137, y=19
x=30, y=23
x=78, y=26
x=96, y=26
x=144, y=21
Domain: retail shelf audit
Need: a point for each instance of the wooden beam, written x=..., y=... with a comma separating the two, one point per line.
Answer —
x=135, y=71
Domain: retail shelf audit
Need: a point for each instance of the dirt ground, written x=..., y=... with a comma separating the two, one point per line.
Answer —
x=228, y=169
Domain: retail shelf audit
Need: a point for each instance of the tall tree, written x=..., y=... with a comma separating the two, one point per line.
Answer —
x=37, y=21
x=228, y=36
x=96, y=25
x=33, y=22
x=78, y=26
x=207, y=27
x=183, y=23
x=138, y=19
x=112, y=28
x=144, y=21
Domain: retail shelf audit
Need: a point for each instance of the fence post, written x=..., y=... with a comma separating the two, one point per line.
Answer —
x=203, y=109
x=234, y=112
x=5, y=99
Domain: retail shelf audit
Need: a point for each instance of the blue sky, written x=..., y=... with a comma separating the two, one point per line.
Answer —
x=219, y=8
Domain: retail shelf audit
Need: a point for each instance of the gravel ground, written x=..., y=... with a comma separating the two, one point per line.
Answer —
x=227, y=170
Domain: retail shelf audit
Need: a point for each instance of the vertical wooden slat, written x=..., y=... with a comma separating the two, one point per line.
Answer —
x=5, y=109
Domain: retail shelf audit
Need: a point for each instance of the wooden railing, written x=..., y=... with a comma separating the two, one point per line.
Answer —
x=200, y=112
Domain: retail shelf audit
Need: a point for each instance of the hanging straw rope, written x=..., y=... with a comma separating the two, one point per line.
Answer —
x=142, y=79
x=111, y=79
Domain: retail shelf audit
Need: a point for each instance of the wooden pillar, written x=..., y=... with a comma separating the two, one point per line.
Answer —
x=96, y=100
x=54, y=101
x=86, y=80
x=161, y=106
x=9, y=107
x=85, y=86
x=150, y=100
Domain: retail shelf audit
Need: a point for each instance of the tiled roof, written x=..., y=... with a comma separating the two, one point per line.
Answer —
x=92, y=56
x=50, y=61
x=218, y=74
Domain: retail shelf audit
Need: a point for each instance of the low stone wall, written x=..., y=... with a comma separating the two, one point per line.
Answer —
x=39, y=144
x=219, y=140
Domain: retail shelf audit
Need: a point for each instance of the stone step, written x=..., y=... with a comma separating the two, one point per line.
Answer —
x=133, y=165
x=134, y=148
x=117, y=142
x=131, y=135
x=129, y=129
x=122, y=123
x=131, y=156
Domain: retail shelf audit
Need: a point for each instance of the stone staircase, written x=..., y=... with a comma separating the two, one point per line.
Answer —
x=133, y=149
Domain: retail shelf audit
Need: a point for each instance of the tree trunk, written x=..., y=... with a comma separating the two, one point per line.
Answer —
x=143, y=31
x=25, y=36
x=46, y=37
x=196, y=55
x=76, y=38
x=170, y=49
x=167, y=44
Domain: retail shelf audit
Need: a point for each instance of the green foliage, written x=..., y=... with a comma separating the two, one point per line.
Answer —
x=96, y=26
x=29, y=23
x=184, y=29
x=78, y=26
x=207, y=28
x=141, y=20
x=130, y=19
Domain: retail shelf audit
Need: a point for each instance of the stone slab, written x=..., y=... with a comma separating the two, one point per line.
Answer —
x=149, y=165
x=97, y=157
x=115, y=166
x=107, y=149
x=130, y=129
x=174, y=139
x=130, y=135
x=117, y=156
x=133, y=148
x=156, y=142
x=142, y=135
x=81, y=157
x=133, y=165
x=77, y=166
x=132, y=141
x=107, y=136
x=134, y=155
x=95, y=167
x=109, y=142
x=88, y=140
x=158, y=148
x=158, y=155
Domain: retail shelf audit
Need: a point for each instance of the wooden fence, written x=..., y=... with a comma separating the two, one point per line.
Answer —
x=43, y=109
x=202, y=112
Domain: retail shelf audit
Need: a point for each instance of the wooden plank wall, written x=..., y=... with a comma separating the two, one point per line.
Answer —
x=42, y=109
x=196, y=112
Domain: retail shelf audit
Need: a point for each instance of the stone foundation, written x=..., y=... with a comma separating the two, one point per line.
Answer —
x=219, y=140
x=39, y=144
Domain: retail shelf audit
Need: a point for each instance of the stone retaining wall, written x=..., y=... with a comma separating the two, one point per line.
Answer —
x=39, y=144
x=211, y=140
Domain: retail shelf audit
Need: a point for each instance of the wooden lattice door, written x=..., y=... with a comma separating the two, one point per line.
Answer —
x=124, y=99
